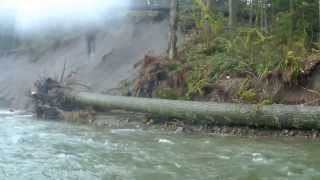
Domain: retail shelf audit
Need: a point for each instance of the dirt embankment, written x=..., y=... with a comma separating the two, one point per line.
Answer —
x=161, y=78
x=115, y=51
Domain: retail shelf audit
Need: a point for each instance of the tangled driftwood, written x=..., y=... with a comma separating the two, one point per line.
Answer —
x=49, y=102
x=48, y=98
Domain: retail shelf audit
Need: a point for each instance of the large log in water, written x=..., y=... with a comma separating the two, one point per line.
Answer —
x=270, y=116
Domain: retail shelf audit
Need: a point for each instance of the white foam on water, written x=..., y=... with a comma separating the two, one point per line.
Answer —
x=165, y=141
x=256, y=154
x=23, y=116
x=9, y=118
x=177, y=165
x=224, y=157
x=11, y=113
x=106, y=143
x=123, y=131
x=290, y=173
x=6, y=113
x=62, y=156
x=257, y=159
x=16, y=139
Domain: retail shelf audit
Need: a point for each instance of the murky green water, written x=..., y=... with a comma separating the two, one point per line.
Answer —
x=39, y=150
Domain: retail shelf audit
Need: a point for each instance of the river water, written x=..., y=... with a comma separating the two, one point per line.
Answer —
x=40, y=150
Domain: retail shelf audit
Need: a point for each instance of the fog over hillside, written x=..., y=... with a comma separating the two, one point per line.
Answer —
x=119, y=44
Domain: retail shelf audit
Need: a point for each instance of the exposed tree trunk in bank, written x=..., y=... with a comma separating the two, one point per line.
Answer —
x=173, y=39
x=251, y=13
x=272, y=13
x=272, y=116
x=207, y=28
x=265, y=14
x=291, y=5
x=319, y=20
x=233, y=11
x=261, y=14
x=230, y=3
x=208, y=4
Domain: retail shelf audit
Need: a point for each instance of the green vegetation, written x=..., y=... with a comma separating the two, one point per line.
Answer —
x=263, y=37
x=256, y=49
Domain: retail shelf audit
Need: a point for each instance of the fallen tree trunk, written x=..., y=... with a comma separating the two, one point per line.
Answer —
x=270, y=116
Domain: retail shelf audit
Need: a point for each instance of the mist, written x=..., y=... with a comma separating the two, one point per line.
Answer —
x=34, y=15
x=52, y=33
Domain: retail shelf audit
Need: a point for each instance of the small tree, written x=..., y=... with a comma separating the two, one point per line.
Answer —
x=319, y=19
x=233, y=11
x=173, y=39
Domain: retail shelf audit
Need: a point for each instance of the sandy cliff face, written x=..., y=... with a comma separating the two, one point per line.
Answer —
x=118, y=48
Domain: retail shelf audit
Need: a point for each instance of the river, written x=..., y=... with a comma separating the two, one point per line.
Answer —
x=40, y=150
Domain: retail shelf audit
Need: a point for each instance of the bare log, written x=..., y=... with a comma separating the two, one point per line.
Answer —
x=269, y=116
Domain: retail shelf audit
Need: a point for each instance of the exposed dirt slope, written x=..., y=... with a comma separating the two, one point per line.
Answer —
x=118, y=48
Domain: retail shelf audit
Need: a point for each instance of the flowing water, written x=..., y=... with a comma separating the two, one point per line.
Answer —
x=40, y=150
